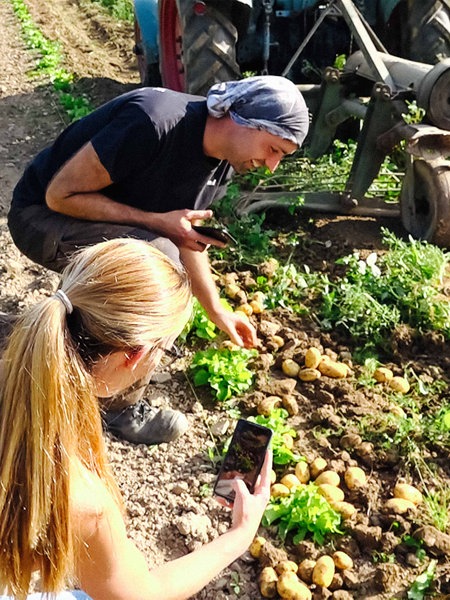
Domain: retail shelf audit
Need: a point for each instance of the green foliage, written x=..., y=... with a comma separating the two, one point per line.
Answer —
x=49, y=59
x=224, y=370
x=276, y=421
x=422, y=583
x=121, y=9
x=289, y=287
x=377, y=294
x=199, y=325
x=303, y=512
x=329, y=172
x=415, y=114
x=254, y=241
x=437, y=505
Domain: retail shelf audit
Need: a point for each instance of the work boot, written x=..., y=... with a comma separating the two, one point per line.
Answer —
x=141, y=424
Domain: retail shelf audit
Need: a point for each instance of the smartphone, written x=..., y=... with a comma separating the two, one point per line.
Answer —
x=244, y=458
x=217, y=233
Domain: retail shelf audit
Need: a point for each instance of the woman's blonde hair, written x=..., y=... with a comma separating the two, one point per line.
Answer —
x=125, y=294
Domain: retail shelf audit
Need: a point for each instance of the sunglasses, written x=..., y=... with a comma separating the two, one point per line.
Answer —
x=170, y=355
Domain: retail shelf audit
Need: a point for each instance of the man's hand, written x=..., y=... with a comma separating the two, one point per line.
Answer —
x=177, y=226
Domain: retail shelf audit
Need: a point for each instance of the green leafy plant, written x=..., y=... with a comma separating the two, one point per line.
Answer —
x=48, y=63
x=200, y=325
x=121, y=9
x=276, y=421
x=378, y=293
x=422, y=583
x=225, y=370
x=304, y=512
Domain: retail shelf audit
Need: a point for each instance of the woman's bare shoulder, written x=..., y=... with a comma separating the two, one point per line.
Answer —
x=90, y=500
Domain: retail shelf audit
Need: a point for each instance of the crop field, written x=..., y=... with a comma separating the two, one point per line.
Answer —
x=351, y=370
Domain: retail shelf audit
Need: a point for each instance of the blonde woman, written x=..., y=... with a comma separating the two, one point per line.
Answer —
x=121, y=304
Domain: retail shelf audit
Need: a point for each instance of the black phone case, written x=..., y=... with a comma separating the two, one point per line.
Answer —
x=216, y=233
x=244, y=458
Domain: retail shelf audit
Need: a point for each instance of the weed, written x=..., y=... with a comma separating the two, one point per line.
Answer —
x=422, y=583
x=376, y=295
x=383, y=557
x=276, y=421
x=121, y=9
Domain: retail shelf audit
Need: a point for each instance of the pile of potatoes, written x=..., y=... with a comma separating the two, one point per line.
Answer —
x=406, y=497
x=291, y=580
x=327, y=481
x=249, y=306
x=315, y=365
x=395, y=383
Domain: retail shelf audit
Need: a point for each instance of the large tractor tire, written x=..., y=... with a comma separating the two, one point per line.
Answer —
x=425, y=201
x=197, y=46
x=419, y=31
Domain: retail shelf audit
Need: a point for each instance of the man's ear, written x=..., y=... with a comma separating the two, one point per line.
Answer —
x=134, y=356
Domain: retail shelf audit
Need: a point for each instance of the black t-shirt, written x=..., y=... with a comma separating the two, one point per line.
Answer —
x=150, y=141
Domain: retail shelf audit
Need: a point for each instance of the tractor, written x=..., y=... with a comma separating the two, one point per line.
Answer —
x=395, y=53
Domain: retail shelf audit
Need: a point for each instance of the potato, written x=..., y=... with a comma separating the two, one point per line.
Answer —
x=330, y=492
x=276, y=340
x=302, y=471
x=408, y=492
x=257, y=307
x=330, y=477
x=399, y=384
x=288, y=440
x=345, y=509
x=313, y=356
x=256, y=545
x=278, y=490
x=290, y=367
x=259, y=297
x=290, y=587
x=399, y=506
x=323, y=572
x=383, y=374
x=232, y=290
x=333, y=369
x=273, y=476
x=268, y=405
x=290, y=481
x=342, y=560
x=355, y=478
x=317, y=466
x=305, y=569
x=309, y=374
x=268, y=582
x=290, y=404
x=245, y=308
x=286, y=566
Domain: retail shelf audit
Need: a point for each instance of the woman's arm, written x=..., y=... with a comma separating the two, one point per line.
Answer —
x=112, y=568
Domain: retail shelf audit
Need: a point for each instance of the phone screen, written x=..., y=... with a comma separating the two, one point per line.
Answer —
x=244, y=458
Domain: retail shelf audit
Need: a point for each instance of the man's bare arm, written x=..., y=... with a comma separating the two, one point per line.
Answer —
x=74, y=191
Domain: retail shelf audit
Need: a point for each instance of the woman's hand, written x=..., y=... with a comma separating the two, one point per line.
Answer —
x=248, y=508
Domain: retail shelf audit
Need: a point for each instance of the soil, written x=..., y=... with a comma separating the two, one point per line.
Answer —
x=166, y=488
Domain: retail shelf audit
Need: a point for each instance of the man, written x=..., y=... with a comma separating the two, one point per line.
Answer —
x=148, y=164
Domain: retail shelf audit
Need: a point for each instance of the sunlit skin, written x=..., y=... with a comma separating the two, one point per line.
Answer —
x=244, y=148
